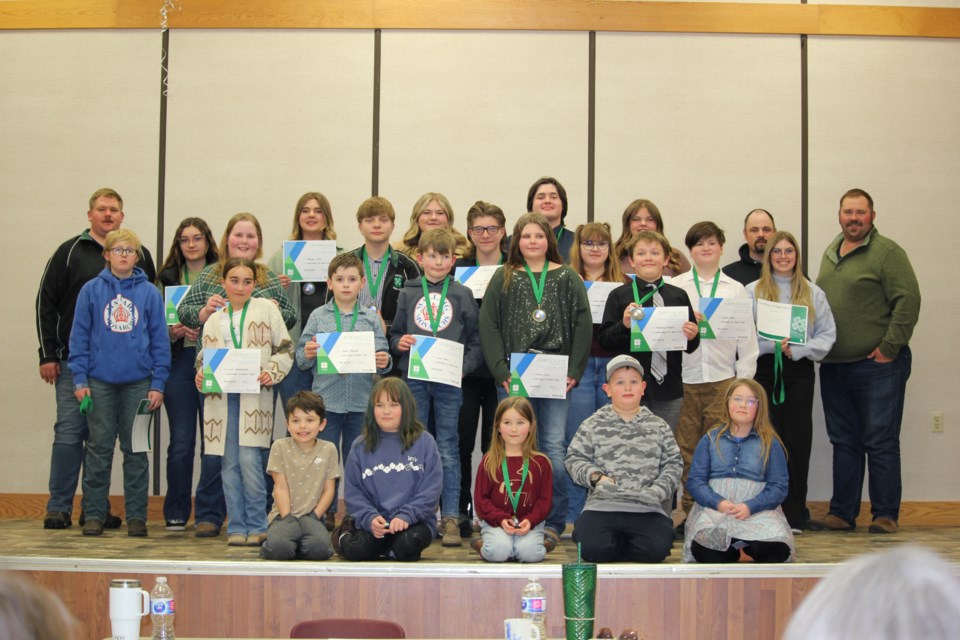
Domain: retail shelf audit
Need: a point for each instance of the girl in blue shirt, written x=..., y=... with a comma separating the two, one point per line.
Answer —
x=738, y=479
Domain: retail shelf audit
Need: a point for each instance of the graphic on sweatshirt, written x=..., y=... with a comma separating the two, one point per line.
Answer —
x=121, y=315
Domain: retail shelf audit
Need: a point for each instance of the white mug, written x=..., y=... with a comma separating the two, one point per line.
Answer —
x=520, y=629
x=128, y=604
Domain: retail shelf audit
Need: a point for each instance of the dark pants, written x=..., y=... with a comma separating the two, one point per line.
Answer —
x=863, y=407
x=406, y=546
x=793, y=422
x=184, y=405
x=765, y=552
x=479, y=405
x=616, y=536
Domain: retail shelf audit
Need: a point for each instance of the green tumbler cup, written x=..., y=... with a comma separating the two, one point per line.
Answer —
x=579, y=599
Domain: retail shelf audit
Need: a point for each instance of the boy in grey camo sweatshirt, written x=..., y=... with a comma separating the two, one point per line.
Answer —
x=630, y=462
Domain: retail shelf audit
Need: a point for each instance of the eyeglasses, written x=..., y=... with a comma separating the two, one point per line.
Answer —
x=492, y=230
x=599, y=244
x=789, y=251
x=750, y=402
x=123, y=251
x=191, y=239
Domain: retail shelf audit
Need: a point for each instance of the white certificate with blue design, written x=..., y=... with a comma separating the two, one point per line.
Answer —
x=726, y=319
x=475, y=278
x=231, y=371
x=172, y=297
x=597, y=294
x=660, y=329
x=308, y=260
x=346, y=352
x=436, y=360
x=538, y=375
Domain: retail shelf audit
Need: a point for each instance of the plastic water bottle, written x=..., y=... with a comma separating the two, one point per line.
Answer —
x=533, y=605
x=162, y=610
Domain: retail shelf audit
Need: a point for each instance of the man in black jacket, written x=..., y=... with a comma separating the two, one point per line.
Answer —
x=758, y=226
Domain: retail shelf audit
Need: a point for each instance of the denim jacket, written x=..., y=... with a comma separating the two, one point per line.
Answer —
x=738, y=460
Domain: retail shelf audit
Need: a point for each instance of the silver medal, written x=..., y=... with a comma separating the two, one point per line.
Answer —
x=309, y=288
x=637, y=313
x=539, y=315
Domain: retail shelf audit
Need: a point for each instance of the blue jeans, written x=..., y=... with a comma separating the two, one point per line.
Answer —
x=345, y=425
x=500, y=546
x=296, y=380
x=243, y=484
x=446, y=402
x=551, y=424
x=585, y=399
x=863, y=407
x=184, y=406
x=69, y=434
x=114, y=407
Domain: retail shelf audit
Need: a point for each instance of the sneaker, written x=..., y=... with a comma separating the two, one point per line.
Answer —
x=680, y=531
x=466, y=526
x=796, y=531
x=476, y=543
x=347, y=525
x=884, y=525
x=176, y=525
x=256, y=539
x=236, y=540
x=57, y=520
x=830, y=523
x=330, y=521
x=550, y=539
x=136, y=528
x=207, y=530
x=92, y=528
x=450, y=530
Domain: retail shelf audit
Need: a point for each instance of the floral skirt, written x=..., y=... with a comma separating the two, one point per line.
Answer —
x=718, y=531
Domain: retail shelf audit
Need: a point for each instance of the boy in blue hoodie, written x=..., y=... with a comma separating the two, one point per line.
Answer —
x=119, y=355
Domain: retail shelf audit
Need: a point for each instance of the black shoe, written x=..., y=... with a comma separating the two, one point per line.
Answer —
x=680, y=530
x=136, y=528
x=466, y=525
x=347, y=525
x=176, y=525
x=57, y=520
x=112, y=522
x=92, y=528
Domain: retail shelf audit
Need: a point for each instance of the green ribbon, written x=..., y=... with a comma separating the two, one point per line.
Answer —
x=636, y=292
x=374, y=286
x=538, y=289
x=434, y=320
x=779, y=393
x=238, y=342
x=514, y=497
x=336, y=316
x=702, y=324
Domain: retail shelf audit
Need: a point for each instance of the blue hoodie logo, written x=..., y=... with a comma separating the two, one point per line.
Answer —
x=121, y=315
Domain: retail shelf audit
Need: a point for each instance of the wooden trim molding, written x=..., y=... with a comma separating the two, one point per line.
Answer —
x=502, y=15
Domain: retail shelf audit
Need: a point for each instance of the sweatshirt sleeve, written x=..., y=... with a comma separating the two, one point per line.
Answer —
x=580, y=454
x=613, y=336
x=80, y=336
x=541, y=508
x=582, y=328
x=698, y=482
x=774, y=491
x=422, y=506
x=48, y=299
x=671, y=465
x=159, y=339
x=491, y=333
x=359, y=504
x=902, y=291
x=485, y=495
x=472, y=351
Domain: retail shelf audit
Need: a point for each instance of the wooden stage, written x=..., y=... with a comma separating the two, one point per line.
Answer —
x=230, y=592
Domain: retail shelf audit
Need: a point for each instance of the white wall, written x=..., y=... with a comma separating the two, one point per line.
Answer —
x=706, y=126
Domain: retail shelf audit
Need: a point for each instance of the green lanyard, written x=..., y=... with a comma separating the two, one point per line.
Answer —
x=238, y=342
x=560, y=231
x=514, y=497
x=716, y=281
x=434, y=319
x=336, y=316
x=636, y=292
x=538, y=289
x=779, y=392
x=186, y=275
x=374, y=286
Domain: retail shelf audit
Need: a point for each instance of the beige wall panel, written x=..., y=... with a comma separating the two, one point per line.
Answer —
x=257, y=118
x=707, y=127
x=949, y=4
x=78, y=111
x=481, y=116
x=883, y=117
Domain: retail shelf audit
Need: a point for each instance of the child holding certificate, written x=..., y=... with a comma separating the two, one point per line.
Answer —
x=739, y=479
x=535, y=304
x=237, y=426
x=514, y=488
x=119, y=356
x=781, y=280
x=344, y=395
x=439, y=306
x=708, y=371
x=392, y=481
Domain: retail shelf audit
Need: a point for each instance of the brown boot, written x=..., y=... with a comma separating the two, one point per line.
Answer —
x=450, y=532
x=884, y=525
x=831, y=523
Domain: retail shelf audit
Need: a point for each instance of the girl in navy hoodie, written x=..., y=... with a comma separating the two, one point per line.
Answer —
x=119, y=356
x=393, y=479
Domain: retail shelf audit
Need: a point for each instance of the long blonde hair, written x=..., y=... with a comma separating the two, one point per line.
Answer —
x=761, y=424
x=800, y=291
x=596, y=231
x=493, y=460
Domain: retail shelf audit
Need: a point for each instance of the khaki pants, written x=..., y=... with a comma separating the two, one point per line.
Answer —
x=702, y=410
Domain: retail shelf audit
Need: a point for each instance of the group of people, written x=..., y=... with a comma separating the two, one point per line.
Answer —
x=729, y=418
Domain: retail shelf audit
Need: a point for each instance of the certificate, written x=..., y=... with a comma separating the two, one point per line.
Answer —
x=776, y=321
x=597, y=294
x=231, y=371
x=346, y=352
x=172, y=297
x=476, y=278
x=140, y=439
x=660, y=329
x=726, y=318
x=538, y=375
x=436, y=360
x=308, y=260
